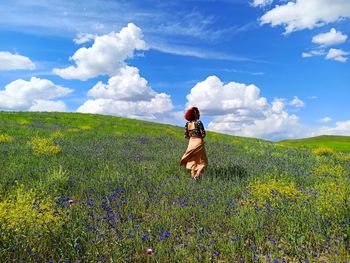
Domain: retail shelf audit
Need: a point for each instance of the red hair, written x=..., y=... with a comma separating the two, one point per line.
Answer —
x=190, y=113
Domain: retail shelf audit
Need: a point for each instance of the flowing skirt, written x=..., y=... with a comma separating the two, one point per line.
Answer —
x=195, y=157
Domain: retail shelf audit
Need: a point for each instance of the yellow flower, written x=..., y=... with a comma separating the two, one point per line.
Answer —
x=323, y=151
x=44, y=146
x=326, y=170
x=73, y=130
x=57, y=134
x=331, y=198
x=5, y=138
x=23, y=211
x=85, y=128
x=273, y=191
x=23, y=122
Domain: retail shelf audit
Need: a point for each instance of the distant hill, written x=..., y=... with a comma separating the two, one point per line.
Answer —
x=339, y=143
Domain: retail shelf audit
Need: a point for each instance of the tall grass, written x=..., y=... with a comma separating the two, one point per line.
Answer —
x=115, y=189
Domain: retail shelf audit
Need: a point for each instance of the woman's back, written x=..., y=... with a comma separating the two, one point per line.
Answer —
x=194, y=129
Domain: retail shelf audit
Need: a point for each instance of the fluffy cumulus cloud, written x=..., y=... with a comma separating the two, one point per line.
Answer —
x=127, y=85
x=127, y=94
x=306, y=14
x=34, y=95
x=326, y=119
x=48, y=105
x=261, y=2
x=337, y=54
x=296, y=102
x=340, y=128
x=333, y=37
x=84, y=38
x=239, y=109
x=9, y=61
x=107, y=54
x=216, y=98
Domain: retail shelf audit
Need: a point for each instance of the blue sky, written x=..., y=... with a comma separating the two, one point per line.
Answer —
x=272, y=69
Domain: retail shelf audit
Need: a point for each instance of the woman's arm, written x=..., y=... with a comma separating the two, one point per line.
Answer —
x=186, y=135
x=201, y=129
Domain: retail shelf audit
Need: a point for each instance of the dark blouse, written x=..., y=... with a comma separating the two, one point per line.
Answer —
x=198, y=130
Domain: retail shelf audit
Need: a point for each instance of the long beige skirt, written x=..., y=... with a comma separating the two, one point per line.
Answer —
x=195, y=158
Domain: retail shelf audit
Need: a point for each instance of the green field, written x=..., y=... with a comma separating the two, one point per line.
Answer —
x=338, y=143
x=257, y=202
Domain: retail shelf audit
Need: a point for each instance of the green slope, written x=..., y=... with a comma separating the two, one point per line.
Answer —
x=339, y=143
x=257, y=201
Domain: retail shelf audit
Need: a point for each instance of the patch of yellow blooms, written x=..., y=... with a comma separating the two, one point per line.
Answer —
x=5, y=138
x=23, y=122
x=44, y=146
x=23, y=211
x=324, y=151
x=73, y=130
x=57, y=134
x=328, y=196
x=331, y=198
x=273, y=191
x=86, y=128
x=327, y=170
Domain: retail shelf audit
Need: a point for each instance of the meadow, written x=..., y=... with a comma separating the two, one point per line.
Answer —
x=92, y=188
x=337, y=143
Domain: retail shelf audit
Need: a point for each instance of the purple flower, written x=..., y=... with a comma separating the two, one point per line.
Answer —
x=165, y=235
x=145, y=237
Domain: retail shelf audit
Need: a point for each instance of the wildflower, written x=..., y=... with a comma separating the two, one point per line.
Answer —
x=5, y=138
x=86, y=128
x=165, y=235
x=145, y=237
x=149, y=251
x=72, y=201
x=44, y=146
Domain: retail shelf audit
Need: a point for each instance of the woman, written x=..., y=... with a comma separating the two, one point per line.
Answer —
x=195, y=157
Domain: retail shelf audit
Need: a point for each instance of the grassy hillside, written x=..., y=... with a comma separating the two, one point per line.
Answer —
x=339, y=143
x=91, y=188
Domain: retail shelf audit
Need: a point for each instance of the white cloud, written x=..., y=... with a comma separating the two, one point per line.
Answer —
x=127, y=85
x=326, y=119
x=239, y=109
x=327, y=39
x=340, y=128
x=306, y=14
x=127, y=94
x=217, y=98
x=330, y=38
x=48, y=105
x=312, y=53
x=296, y=102
x=261, y=2
x=9, y=61
x=197, y=53
x=84, y=38
x=106, y=56
x=248, y=114
x=34, y=94
x=337, y=54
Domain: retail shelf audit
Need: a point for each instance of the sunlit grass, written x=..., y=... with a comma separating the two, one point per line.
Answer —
x=112, y=190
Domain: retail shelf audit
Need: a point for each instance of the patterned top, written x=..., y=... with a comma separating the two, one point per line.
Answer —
x=197, y=131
